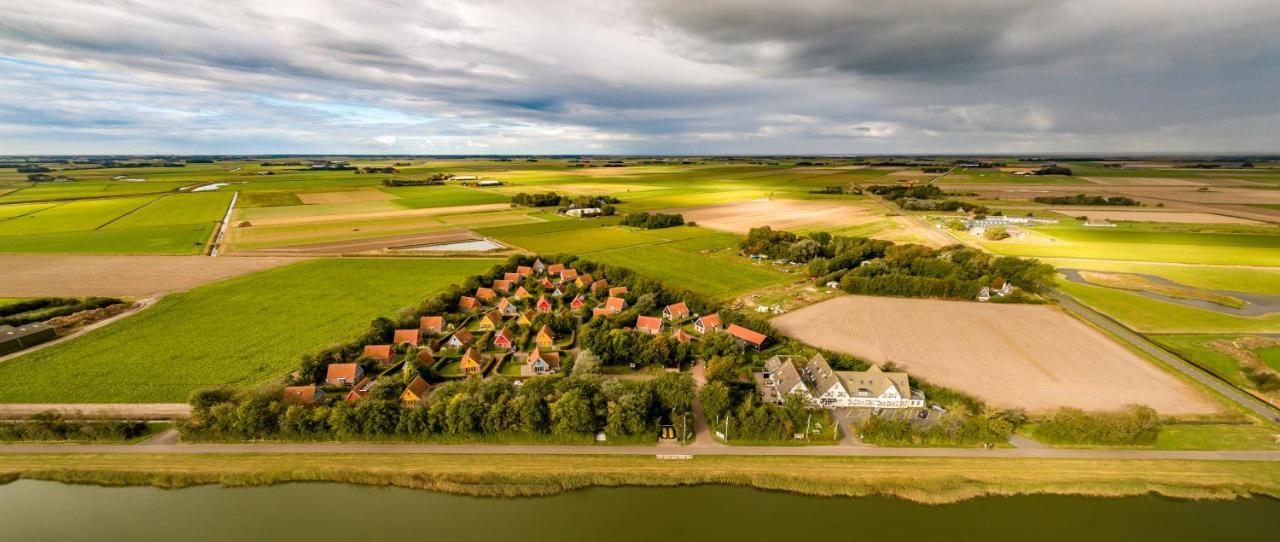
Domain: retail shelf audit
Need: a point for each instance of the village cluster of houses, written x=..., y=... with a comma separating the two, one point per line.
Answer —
x=816, y=382
x=498, y=309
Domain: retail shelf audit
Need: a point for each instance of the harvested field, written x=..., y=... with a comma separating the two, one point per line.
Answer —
x=1032, y=357
x=354, y=196
x=740, y=217
x=1143, y=181
x=35, y=275
x=374, y=215
x=352, y=246
x=1156, y=216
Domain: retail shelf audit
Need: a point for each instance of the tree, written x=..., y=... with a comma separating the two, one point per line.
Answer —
x=722, y=369
x=675, y=391
x=627, y=415
x=720, y=344
x=587, y=362
x=572, y=414
x=715, y=399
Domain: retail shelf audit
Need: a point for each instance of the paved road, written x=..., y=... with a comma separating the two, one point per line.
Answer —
x=692, y=449
x=1245, y=400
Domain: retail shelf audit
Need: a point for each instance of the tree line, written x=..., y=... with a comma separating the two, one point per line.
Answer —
x=652, y=221
x=51, y=426
x=1134, y=425
x=565, y=201
x=924, y=198
x=542, y=407
x=1081, y=199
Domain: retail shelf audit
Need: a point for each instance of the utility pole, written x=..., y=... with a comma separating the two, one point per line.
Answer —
x=806, y=426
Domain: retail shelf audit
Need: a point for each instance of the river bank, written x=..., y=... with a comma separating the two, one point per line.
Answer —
x=923, y=480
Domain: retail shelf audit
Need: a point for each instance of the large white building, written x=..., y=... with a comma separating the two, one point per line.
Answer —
x=872, y=388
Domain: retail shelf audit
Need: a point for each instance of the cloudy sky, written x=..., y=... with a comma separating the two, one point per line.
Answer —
x=639, y=76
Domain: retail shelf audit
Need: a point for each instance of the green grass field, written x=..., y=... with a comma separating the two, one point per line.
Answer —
x=1151, y=316
x=1236, y=279
x=1130, y=243
x=164, y=224
x=242, y=332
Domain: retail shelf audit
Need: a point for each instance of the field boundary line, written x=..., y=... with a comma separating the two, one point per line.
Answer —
x=215, y=238
x=35, y=211
x=1269, y=413
x=127, y=213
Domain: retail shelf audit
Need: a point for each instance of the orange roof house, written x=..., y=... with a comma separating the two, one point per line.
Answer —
x=546, y=283
x=521, y=294
x=433, y=325
x=415, y=392
x=601, y=311
x=485, y=294
x=502, y=285
x=526, y=318
x=507, y=308
x=383, y=353
x=543, y=362
x=543, y=304
x=343, y=374
x=747, y=337
x=599, y=285
x=411, y=337
x=681, y=336
x=490, y=321
x=546, y=338
x=302, y=395
x=583, y=280
x=578, y=302
x=471, y=363
x=555, y=268
x=511, y=277
x=615, y=304
x=467, y=303
x=361, y=390
x=617, y=291
x=425, y=357
x=649, y=324
x=524, y=270
x=460, y=339
x=676, y=311
x=568, y=275
x=707, y=323
x=504, y=339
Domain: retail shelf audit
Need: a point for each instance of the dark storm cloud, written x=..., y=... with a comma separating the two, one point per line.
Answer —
x=639, y=76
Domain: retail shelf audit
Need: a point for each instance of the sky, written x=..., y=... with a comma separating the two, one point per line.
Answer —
x=639, y=76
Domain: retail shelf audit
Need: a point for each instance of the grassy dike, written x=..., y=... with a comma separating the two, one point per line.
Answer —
x=925, y=480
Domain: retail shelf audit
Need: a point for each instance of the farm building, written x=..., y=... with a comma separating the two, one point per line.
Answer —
x=384, y=354
x=302, y=395
x=707, y=323
x=415, y=392
x=343, y=374
x=411, y=337
x=649, y=324
x=433, y=325
x=677, y=311
x=540, y=362
x=747, y=337
x=13, y=339
x=583, y=212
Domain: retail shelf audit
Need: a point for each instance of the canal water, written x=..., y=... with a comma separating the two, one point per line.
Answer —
x=31, y=511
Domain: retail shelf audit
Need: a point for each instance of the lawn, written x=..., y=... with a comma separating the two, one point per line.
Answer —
x=717, y=275
x=1217, y=437
x=578, y=241
x=243, y=331
x=1152, y=316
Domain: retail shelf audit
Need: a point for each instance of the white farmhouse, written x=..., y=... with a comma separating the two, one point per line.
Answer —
x=872, y=388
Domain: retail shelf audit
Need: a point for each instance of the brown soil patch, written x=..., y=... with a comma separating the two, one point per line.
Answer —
x=1032, y=357
x=354, y=196
x=739, y=217
x=34, y=275
x=351, y=246
x=1156, y=216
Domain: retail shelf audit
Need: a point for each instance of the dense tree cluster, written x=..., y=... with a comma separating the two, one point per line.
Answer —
x=565, y=201
x=434, y=180
x=652, y=221
x=952, y=430
x=924, y=198
x=573, y=406
x=877, y=267
x=1054, y=170
x=48, y=426
x=1136, y=424
x=1081, y=199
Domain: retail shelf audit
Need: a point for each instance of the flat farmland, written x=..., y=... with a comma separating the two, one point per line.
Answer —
x=1155, y=216
x=1144, y=245
x=242, y=332
x=39, y=275
x=164, y=224
x=780, y=214
x=1032, y=357
x=1154, y=316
